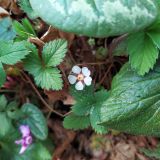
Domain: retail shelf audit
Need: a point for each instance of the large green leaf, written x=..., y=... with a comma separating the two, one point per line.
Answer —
x=97, y=18
x=36, y=121
x=134, y=102
x=6, y=29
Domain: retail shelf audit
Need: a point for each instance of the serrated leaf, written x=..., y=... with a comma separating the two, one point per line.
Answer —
x=95, y=119
x=155, y=36
x=49, y=78
x=44, y=76
x=3, y=103
x=84, y=100
x=6, y=29
x=35, y=120
x=133, y=104
x=142, y=53
x=26, y=7
x=97, y=18
x=12, y=52
x=76, y=122
x=54, y=52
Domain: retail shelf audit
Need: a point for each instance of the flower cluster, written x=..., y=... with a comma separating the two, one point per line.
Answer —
x=26, y=140
x=80, y=77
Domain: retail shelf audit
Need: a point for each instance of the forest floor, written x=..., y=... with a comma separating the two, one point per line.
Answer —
x=76, y=145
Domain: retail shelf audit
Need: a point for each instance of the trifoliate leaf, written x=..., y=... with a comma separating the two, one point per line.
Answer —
x=143, y=53
x=54, y=52
x=46, y=77
x=26, y=7
x=6, y=29
x=36, y=121
x=12, y=52
x=76, y=122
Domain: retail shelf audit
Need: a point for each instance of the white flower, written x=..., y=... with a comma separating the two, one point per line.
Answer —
x=80, y=77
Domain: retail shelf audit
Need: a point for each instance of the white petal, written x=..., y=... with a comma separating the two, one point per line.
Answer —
x=23, y=148
x=79, y=86
x=86, y=71
x=72, y=79
x=76, y=69
x=88, y=81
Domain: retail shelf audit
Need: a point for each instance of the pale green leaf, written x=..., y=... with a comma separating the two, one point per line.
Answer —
x=98, y=18
x=6, y=29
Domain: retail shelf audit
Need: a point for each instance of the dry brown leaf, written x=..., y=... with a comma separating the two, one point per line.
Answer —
x=124, y=151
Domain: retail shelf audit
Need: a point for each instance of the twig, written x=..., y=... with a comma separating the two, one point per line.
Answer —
x=40, y=97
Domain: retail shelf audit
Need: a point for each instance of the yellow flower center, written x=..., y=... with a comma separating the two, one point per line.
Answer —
x=80, y=77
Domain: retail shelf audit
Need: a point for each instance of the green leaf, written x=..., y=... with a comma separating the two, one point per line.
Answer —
x=24, y=30
x=97, y=18
x=155, y=36
x=142, y=53
x=40, y=152
x=95, y=119
x=5, y=125
x=26, y=7
x=88, y=104
x=45, y=75
x=84, y=101
x=6, y=29
x=49, y=78
x=133, y=104
x=76, y=122
x=2, y=74
x=152, y=153
x=12, y=52
x=3, y=103
x=54, y=52
x=35, y=120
